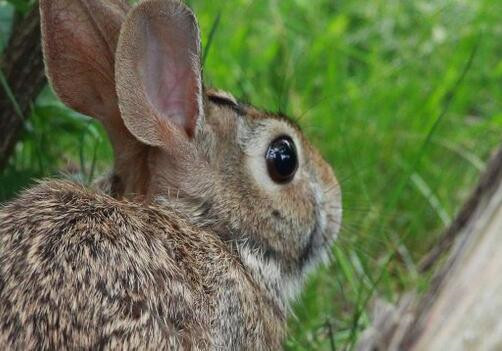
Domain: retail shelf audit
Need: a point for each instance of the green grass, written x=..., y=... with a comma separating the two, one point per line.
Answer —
x=404, y=98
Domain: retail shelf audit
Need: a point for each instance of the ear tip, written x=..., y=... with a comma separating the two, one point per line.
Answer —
x=170, y=7
x=148, y=12
x=46, y=6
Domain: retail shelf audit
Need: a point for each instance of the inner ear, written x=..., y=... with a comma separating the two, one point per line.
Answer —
x=158, y=72
x=167, y=72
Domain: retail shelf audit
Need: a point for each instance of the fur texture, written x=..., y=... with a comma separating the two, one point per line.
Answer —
x=82, y=270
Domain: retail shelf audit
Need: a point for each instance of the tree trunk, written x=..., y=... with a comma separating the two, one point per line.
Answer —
x=23, y=69
x=463, y=308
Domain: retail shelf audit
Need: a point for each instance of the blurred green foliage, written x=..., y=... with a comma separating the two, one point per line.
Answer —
x=404, y=98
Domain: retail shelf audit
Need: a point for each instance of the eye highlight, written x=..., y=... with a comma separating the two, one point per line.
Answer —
x=282, y=159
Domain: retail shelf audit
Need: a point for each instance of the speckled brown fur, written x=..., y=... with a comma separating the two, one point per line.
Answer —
x=82, y=270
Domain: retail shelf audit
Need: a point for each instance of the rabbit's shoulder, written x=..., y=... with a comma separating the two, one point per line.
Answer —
x=61, y=215
x=77, y=263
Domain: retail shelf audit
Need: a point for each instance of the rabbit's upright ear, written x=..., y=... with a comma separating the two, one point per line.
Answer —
x=79, y=41
x=158, y=73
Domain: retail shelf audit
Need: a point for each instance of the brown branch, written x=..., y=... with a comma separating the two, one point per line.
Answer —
x=488, y=181
x=23, y=69
x=463, y=302
x=470, y=274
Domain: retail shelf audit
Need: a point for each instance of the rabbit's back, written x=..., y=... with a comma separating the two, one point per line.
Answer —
x=79, y=269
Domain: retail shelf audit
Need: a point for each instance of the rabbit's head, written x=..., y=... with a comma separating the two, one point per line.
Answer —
x=249, y=175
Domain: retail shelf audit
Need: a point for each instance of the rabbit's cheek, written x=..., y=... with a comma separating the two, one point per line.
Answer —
x=330, y=217
x=327, y=222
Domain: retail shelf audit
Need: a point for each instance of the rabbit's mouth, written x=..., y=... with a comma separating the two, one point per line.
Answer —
x=328, y=214
x=317, y=245
x=309, y=249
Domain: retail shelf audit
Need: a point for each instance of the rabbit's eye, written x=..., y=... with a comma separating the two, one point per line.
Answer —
x=282, y=160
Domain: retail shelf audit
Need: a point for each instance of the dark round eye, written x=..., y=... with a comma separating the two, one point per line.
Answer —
x=282, y=160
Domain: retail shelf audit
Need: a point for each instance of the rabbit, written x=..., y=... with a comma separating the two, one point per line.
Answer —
x=223, y=210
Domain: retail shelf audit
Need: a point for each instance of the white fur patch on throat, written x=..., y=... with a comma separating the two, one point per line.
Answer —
x=283, y=287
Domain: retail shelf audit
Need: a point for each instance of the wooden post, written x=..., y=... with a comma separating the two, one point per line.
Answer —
x=463, y=308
